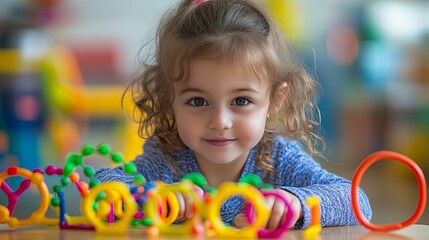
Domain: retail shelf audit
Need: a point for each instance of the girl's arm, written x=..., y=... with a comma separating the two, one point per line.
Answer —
x=300, y=175
x=113, y=175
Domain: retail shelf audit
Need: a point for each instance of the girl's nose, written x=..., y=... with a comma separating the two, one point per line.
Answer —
x=220, y=120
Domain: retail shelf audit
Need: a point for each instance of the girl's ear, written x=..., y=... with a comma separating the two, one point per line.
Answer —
x=278, y=100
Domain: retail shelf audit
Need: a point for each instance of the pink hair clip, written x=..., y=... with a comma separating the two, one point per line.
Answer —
x=198, y=1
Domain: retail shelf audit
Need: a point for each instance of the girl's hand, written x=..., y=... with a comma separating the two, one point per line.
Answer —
x=185, y=206
x=186, y=202
x=278, y=211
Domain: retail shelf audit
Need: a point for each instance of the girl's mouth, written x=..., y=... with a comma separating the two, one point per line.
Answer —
x=220, y=142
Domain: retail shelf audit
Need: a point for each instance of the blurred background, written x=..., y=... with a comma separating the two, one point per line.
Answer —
x=65, y=63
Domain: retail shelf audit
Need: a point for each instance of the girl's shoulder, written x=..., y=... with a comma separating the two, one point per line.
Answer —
x=286, y=148
x=153, y=154
x=288, y=153
x=287, y=144
x=153, y=164
x=152, y=145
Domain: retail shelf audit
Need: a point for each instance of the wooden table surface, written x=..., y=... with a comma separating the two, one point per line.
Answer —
x=416, y=231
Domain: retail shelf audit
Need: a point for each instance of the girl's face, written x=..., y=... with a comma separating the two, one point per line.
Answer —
x=220, y=111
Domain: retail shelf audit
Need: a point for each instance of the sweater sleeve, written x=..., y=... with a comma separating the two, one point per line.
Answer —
x=113, y=175
x=302, y=176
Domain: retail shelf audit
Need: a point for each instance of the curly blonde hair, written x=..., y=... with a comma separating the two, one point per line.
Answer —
x=237, y=30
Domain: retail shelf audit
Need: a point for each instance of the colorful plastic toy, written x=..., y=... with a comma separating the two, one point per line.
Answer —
x=36, y=178
x=111, y=208
x=163, y=195
x=251, y=194
x=58, y=199
x=75, y=160
x=377, y=156
x=109, y=197
x=315, y=228
x=276, y=233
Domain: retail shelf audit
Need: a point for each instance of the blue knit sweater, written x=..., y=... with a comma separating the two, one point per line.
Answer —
x=298, y=173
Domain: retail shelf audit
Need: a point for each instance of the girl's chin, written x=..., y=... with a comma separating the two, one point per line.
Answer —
x=218, y=161
x=221, y=162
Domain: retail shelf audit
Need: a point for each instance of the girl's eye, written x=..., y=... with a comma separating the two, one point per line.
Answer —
x=197, y=102
x=241, y=101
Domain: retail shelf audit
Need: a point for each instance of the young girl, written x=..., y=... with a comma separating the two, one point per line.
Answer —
x=224, y=97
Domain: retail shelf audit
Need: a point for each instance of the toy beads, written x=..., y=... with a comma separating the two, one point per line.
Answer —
x=377, y=156
x=58, y=199
x=75, y=159
x=197, y=179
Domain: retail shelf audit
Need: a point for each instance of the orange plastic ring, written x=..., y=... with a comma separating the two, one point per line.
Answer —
x=421, y=186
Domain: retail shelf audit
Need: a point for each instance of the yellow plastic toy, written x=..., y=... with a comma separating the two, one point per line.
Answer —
x=315, y=228
x=109, y=197
x=155, y=208
x=250, y=194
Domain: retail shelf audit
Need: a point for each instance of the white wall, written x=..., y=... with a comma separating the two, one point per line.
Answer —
x=130, y=23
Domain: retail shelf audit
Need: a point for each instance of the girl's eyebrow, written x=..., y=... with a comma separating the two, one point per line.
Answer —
x=238, y=90
x=186, y=90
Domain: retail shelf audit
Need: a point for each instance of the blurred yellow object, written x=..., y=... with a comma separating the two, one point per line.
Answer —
x=71, y=99
x=64, y=94
x=105, y=101
x=133, y=144
x=285, y=14
x=417, y=149
x=13, y=61
x=10, y=61
x=64, y=85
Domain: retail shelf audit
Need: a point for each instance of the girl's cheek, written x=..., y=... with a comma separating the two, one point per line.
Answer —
x=251, y=129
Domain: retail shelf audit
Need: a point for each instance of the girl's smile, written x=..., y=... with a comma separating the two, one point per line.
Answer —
x=221, y=142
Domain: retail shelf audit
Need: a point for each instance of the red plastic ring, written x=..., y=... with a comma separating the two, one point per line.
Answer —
x=421, y=186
